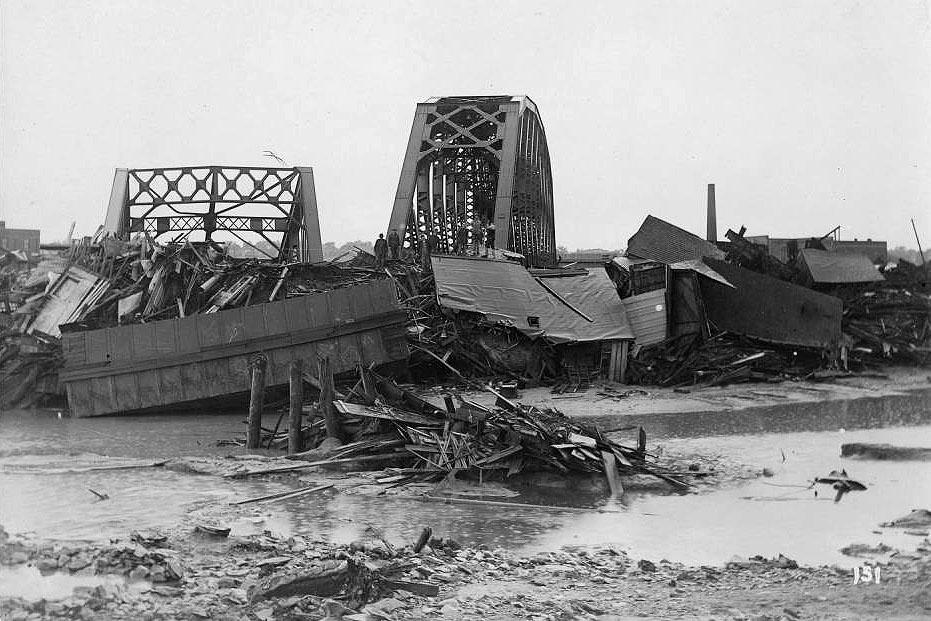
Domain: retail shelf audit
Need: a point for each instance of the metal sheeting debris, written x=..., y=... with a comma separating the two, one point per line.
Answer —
x=698, y=266
x=506, y=293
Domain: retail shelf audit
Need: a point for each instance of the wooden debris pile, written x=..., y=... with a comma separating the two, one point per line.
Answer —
x=152, y=281
x=756, y=257
x=28, y=371
x=477, y=349
x=889, y=323
x=427, y=443
x=719, y=360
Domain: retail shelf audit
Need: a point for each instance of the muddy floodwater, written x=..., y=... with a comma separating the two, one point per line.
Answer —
x=46, y=470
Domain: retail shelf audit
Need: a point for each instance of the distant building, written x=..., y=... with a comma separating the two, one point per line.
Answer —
x=875, y=250
x=825, y=268
x=26, y=240
x=786, y=249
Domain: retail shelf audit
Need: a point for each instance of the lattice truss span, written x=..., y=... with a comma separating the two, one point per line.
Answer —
x=473, y=161
x=274, y=205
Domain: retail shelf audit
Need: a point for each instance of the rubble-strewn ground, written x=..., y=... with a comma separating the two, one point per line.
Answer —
x=225, y=579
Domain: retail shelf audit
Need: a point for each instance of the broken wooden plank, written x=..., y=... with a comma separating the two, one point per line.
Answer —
x=313, y=464
x=284, y=495
x=383, y=412
x=614, y=482
x=581, y=440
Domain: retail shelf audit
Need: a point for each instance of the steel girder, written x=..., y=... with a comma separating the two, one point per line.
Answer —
x=471, y=161
x=278, y=205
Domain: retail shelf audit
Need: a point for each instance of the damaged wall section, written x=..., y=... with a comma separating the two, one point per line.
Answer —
x=769, y=309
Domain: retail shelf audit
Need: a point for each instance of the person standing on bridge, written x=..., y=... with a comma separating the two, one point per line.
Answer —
x=462, y=240
x=490, y=239
x=394, y=243
x=381, y=251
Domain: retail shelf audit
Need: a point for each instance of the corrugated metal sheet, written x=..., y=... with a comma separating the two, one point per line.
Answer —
x=659, y=240
x=831, y=268
x=175, y=361
x=647, y=314
x=769, y=309
x=506, y=293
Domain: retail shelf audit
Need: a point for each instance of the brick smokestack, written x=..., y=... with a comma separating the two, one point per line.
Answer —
x=712, y=235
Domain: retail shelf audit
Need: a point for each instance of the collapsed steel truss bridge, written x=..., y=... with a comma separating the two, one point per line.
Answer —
x=277, y=205
x=473, y=161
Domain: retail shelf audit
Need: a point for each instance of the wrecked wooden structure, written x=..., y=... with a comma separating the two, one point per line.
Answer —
x=178, y=362
x=419, y=441
x=576, y=311
x=698, y=318
x=762, y=307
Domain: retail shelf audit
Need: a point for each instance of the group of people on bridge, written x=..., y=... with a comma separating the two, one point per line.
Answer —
x=430, y=245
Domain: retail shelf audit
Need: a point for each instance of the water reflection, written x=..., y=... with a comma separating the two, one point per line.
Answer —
x=27, y=582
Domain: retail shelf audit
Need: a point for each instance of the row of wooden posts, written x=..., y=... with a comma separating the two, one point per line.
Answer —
x=296, y=380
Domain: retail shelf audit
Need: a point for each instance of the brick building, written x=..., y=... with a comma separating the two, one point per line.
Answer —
x=19, y=239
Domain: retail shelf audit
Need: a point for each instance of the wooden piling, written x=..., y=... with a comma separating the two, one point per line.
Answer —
x=327, y=393
x=295, y=438
x=256, y=401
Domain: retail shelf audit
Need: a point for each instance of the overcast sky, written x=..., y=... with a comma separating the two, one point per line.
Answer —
x=806, y=114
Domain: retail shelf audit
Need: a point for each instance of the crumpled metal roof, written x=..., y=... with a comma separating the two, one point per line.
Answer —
x=506, y=293
x=662, y=241
x=839, y=268
x=697, y=265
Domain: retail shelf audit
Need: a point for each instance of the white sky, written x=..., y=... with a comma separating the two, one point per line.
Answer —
x=804, y=114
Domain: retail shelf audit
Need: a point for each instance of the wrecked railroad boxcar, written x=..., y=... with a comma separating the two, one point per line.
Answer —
x=173, y=362
x=768, y=309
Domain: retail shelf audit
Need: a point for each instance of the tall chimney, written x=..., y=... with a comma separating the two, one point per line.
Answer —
x=712, y=234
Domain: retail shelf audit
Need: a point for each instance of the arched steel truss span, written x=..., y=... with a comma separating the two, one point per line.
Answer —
x=473, y=161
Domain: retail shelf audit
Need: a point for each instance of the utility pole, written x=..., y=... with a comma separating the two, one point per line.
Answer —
x=920, y=251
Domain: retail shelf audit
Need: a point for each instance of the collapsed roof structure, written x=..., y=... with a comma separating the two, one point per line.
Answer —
x=659, y=240
x=821, y=267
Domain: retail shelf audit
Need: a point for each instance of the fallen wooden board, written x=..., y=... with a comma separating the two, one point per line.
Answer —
x=283, y=495
x=313, y=464
x=614, y=481
x=384, y=413
x=424, y=589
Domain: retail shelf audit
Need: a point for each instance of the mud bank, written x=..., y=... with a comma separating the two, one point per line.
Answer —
x=900, y=397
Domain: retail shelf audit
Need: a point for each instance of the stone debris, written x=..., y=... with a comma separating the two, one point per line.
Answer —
x=465, y=583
